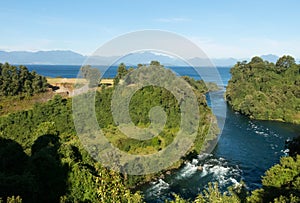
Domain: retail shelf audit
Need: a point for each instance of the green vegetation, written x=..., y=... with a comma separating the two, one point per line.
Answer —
x=21, y=89
x=141, y=103
x=267, y=91
x=91, y=74
x=212, y=86
x=42, y=159
x=281, y=183
x=19, y=81
x=213, y=195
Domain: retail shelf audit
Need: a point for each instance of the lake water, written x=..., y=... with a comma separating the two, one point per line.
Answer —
x=245, y=149
x=71, y=71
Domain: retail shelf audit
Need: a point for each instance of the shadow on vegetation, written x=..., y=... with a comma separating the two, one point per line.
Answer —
x=37, y=178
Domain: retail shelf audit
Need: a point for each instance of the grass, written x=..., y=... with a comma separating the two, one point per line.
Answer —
x=13, y=104
x=54, y=81
x=57, y=81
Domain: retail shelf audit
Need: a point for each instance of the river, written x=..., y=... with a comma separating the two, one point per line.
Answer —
x=245, y=150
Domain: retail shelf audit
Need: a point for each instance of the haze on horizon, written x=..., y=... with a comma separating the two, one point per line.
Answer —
x=222, y=29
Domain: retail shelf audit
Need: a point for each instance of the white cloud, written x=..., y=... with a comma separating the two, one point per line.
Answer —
x=162, y=54
x=30, y=45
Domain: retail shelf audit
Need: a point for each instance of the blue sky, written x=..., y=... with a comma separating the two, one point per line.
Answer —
x=221, y=28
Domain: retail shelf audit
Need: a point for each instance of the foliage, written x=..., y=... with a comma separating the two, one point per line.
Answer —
x=19, y=81
x=121, y=73
x=91, y=74
x=212, y=86
x=140, y=105
x=12, y=199
x=262, y=90
x=155, y=63
x=285, y=62
x=213, y=195
x=281, y=183
x=42, y=159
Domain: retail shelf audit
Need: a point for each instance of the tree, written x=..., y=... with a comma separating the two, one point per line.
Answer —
x=94, y=77
x=261, y=90
x=285, y=61
x=19, y=81
x=84, y=71
x=154, y=63
x=91, y=74
x=256, y=59
x=122, y=72
x=281, y=183
x=58, y=168
x=213, y=195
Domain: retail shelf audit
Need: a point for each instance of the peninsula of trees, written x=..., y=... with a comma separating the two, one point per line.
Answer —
x=266, y=91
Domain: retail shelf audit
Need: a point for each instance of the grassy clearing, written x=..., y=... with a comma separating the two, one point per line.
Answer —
x=16, y=103
x=56, y=81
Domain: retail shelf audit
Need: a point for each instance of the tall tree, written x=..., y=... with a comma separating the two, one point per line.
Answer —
x=285, y=61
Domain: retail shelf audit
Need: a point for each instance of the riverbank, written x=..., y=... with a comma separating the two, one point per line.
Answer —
x=296, y=122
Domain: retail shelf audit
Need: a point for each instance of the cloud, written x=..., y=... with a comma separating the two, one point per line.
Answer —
x=247, y=47
x=172, y=20
x=28, y=45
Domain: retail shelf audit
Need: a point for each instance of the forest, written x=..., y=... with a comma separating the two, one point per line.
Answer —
x=19, y=81
x=266, y=91
x=42, y=159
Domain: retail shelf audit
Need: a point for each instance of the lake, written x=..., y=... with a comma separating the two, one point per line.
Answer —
x=71, y=71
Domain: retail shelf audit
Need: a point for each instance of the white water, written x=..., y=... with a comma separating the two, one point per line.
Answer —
x=214, y=169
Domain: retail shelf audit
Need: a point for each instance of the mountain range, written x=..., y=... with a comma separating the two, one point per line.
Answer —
x=61, y=57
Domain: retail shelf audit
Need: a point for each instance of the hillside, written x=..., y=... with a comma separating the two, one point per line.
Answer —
x=44, y=161
x=55, y=57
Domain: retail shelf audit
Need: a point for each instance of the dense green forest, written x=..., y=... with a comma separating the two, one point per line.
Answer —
x=20, y=88
x=17, y=80
x=42, y=159
x=267, y=91
x=141, y=103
